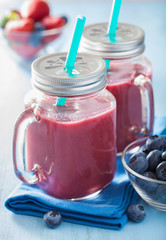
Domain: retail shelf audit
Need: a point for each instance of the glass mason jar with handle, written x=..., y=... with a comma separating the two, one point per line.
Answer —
x=65, y=140
x=129, y=75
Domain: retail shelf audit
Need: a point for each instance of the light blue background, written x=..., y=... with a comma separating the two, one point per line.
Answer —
x=15, y=82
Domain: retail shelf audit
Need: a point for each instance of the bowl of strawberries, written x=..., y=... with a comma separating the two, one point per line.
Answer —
x=31, y=30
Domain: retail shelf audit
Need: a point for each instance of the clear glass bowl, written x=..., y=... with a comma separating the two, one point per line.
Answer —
x=26, y=46
x=151, y=190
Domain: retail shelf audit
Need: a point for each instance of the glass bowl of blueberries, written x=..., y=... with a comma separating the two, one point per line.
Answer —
x=145, y=163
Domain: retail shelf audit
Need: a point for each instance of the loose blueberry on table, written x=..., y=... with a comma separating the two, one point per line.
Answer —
x=52, y=219
x=136, y=213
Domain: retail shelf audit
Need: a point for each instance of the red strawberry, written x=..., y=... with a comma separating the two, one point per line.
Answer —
x=21, y=25
x=53, y=22
x=35, y=9
x=15, y=26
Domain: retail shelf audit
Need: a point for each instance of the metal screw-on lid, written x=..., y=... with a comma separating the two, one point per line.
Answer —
x=49, y=75
x=128, y=42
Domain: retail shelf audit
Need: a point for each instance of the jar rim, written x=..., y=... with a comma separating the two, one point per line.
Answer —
x=49, y=74
x=128, y=42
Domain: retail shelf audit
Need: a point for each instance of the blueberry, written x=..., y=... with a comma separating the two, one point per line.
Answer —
x=52, y=219
x=138, y=162
x=155, y=142
x=144, y=149
x=65, y=19
x=154, y=158
x=161, y=171
x=35, y=39
x=136, y=213
x=36, y=36
x=39, y=26
x=149, y=174
x=147, y=186
x=163, y=156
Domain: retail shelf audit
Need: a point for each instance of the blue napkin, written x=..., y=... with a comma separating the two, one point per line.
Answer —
x=106, y=210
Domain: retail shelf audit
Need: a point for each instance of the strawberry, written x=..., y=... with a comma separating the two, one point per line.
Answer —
x=21, y=25
x=14, y=27
x=35, y=9
x=53, y=22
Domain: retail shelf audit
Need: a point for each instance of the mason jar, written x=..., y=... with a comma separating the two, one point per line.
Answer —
x=129, y=77
x=65, y=140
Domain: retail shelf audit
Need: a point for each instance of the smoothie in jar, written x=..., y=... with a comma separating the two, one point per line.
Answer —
x=77, y=156
x=129, y=76
x=121, y=79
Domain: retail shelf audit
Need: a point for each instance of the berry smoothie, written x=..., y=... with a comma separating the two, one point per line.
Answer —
x=73, y=158
x=121, y=77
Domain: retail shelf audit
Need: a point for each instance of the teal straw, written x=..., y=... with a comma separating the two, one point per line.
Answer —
x=107, y=61
x=71, y=57
x=113, y=22
x=61, y=101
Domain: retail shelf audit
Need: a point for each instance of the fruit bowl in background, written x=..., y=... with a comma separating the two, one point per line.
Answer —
x=153, y=191
x=29, y=45
x=32, y=29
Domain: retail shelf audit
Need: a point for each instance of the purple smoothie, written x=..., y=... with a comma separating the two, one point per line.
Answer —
x=129, y=105
x=76, y=158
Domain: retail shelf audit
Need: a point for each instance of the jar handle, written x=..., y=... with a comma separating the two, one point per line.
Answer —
x=19, y=146
x=146, y=91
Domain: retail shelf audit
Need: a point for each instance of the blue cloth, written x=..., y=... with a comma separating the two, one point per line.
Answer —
x=106, y=210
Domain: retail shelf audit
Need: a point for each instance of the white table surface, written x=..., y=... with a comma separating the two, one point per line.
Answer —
x=15, y=83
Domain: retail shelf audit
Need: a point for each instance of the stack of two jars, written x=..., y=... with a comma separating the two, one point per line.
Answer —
x=75, y=123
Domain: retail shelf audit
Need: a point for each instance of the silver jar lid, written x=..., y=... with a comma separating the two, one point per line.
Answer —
x=128, y=42
x=50, y=76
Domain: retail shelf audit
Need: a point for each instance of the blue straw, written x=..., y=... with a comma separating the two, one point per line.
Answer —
x=107, y=61
x=113, y=22
x=61, y=101
x=71, y=57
